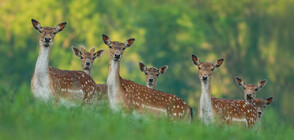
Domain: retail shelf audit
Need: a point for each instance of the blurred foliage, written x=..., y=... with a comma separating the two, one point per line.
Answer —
x=254, y=38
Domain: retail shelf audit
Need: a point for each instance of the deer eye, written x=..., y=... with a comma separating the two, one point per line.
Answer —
x=199, y=68
x=264, y=106
x=212, y=69
x=110, y=47
x=256, y=89
x=157, y=74
x=145, y=73
x=82, y=57
x=93, y=58
x=123, y=48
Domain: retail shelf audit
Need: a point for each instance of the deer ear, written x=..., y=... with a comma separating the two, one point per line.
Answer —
x=249, y=98
x=240, y=82
x=60, y=27
x=76, y=51
x=129, y=42
x=261, y=84
x=98, y=54
x=92, y=50
x=142, y=66
x=195, y=60
x=106, y=39
x=218, y=63
x=269, y=100
x=83, y=50
x=163, y=69
x=37, y=25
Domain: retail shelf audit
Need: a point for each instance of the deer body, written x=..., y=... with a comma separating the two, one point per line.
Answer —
x=50, y=82
x=130, y=95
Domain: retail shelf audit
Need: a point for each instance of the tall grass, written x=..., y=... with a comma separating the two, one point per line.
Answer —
x=23, y=117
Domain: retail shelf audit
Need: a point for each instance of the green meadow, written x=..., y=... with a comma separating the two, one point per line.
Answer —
x=23, y=117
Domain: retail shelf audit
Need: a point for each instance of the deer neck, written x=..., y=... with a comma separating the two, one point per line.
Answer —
x=150, y=86
x=87, y=71
x=205, y=109
x=41, y=79
x=114, y=84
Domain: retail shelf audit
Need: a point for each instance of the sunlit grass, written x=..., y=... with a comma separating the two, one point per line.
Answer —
x=23, y=117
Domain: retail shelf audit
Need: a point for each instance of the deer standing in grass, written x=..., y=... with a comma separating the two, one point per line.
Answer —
x=250, y=89
x=152, y=73
x=87, y=63
x=50, y=82
x=214, y=110
x=130, y=95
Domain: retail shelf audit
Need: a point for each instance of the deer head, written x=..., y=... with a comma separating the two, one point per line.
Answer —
x=206, y=68
x=152, y=74
x=47, y=33
x=117, y=48
x=259, y=104
x=87, y=57
x=250, y=89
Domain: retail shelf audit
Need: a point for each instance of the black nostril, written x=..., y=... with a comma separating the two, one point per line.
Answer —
x=150, y=80
x=88, y=63
x=204, y=78
x=47, y=39
x=116, y=55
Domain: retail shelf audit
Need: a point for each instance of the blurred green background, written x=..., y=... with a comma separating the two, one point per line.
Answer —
x=254, y=37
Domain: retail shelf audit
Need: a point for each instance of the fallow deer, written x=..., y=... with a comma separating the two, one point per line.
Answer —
x=152, y=73
x=259, y=105
x=87, y=63
x=130, y=95
x=214, y=110
x=50, y=82
x=250, y=89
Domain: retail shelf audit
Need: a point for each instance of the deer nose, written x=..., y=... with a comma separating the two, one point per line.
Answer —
x=47, y=39
x=88, y=63
x=117, y=56
x=204, y=78
x=150, y=80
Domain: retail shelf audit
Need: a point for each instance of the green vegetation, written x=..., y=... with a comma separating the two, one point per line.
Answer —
x=254, y=37
x=23, y=117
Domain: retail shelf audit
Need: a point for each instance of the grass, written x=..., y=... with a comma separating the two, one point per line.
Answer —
x=23, y=117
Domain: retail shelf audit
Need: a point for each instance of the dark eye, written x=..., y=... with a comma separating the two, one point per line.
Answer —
x=212, y=69
x=123, y=48
x=256, y=89
x=264, y=106
x=157, y=74
x=82, y=57
x=145, y=73
x=93, y=58
x=110, y=47
x=54, y=33
x=254, y=105
x=199, y=68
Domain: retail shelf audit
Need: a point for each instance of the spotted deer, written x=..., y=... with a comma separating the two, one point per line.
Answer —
x=259, y=105
x=250, y=89
x=87, y=63
x=126, y=94
x=152, y=73
x=213, y=110
x=50, y=82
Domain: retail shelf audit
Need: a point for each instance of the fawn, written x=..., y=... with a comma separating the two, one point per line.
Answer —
x=152, y=73
x=87, y=63
x=130, y=95
x=50, y=82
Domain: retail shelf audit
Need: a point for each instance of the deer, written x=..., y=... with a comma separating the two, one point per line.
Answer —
x=225, y=111
x=52, y=83
x=151, y=74
x=130, y=96
x=259, y=104
x=250, y=89
x=87, y=62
